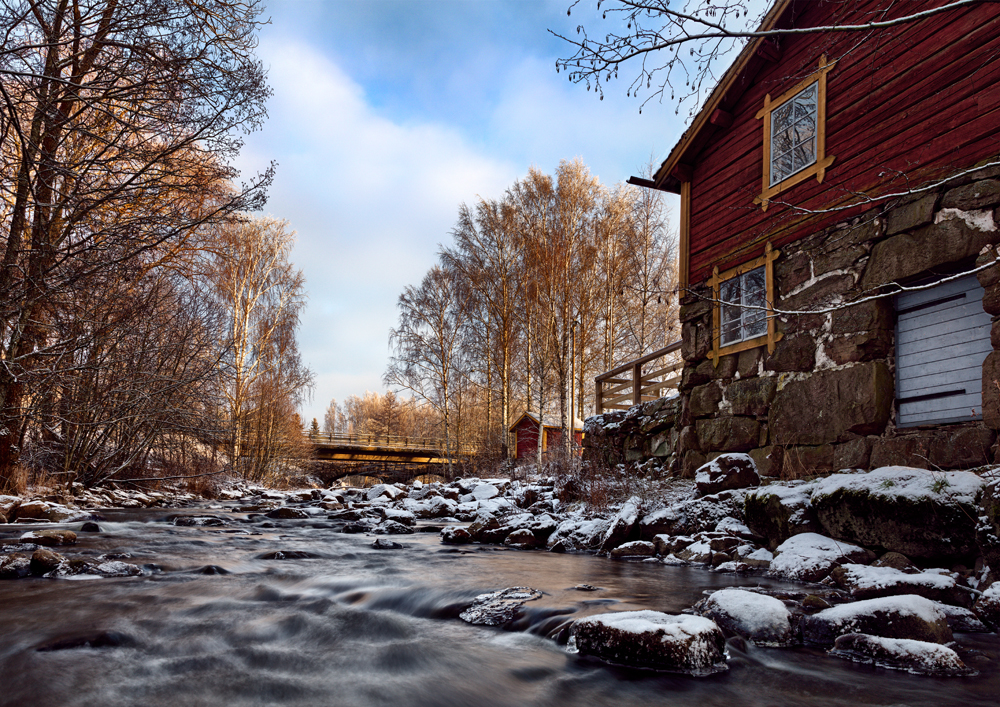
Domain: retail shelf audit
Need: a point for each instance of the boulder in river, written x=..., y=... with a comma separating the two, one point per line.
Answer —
x=907, y=616
x=15, y=566
x=653, y=640
x=865, y=582
x=391, y=527
x=636, y=548
x=386, y=544
x=499, y=608
x=761, y=619
x=455, y=535
x=624, y=526
x=918, y=657
x=810, y=557
x=726, y=472
x=288, y=513
x=779, y=512
x=49, y=538
x=921, y=514
x=988, y=606
x=522, y=539
x=44, y=561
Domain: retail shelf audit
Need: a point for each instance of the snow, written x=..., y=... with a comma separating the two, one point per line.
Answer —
x=808, y=554
x=867, y=578
x=905, y=654
x=906, y=482
x=906, y=604
x=733, y=527
x=759, y=617
x=484, y=492
x=763, y=554
x=641, y=622
x=705, y=472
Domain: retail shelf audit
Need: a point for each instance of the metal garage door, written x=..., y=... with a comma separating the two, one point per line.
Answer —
x=942, y=337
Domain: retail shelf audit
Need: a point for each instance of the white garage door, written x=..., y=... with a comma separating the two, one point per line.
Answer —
x=942, y=338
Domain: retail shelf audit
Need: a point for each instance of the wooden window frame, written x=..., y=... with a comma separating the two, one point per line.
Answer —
x=715, y=282
x=823, y=161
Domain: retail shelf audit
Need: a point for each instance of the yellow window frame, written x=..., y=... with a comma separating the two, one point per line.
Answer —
x=715, y=282
x=823, y=161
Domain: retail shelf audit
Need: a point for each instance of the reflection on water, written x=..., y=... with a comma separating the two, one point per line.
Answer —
x=345, y=624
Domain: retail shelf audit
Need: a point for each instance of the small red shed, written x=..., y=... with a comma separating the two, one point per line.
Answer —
x=525, y=431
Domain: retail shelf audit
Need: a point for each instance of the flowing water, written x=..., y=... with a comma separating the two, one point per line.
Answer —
x=217, y=621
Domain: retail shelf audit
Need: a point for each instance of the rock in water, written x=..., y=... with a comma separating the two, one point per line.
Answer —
x=522, y=539
x=391, y=527
x=386, y=544
x=918, y=657
x=779, y=512
x=921, y=514
x=288, y=513
x=725, y=472
x=636, y=548
x=44, y=561
x=653, y=640
x=810, y=557
x=865, y=582
x=907, y=616
x=49, y=538
x=624, y=525
x=759, y=618
x=988, y=606
x=499, y=608
x=15, y=566
x=455, y=535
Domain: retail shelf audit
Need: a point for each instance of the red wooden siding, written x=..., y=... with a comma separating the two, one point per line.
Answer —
x=526, y=438
x=905, y=105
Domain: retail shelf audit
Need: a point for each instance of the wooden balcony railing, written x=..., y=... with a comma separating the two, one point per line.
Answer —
x=627, y=385
x=389, y=442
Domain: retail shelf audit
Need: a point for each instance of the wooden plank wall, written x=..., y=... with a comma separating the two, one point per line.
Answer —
x=905, y=105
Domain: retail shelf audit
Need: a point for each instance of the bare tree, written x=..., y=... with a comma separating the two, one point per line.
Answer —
x=426, y=345
x=118, y=123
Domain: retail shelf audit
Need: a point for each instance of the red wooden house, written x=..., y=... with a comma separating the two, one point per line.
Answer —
x=525, y=431
x=824, y=172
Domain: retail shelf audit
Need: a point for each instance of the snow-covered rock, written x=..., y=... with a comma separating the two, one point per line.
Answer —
x=636, y=548
x=987, y=607
x=759, y=618
x=906, y=616
x=919, y=513
x=14, y=566
x=623, y=526
x=49, y=538
x=864, y=582
x=654, y=640
x=725, y=472
x=484, y=492
x=810, y=557
x=579, y=534
x=777, y=512
x=499, y=608
x=522, y=539
x=918, y=657
x=692, y=515
x=455, y=535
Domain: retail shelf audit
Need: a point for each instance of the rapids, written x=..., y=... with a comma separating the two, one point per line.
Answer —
x=219, y=619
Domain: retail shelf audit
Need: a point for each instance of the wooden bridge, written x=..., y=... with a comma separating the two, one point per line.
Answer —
x=386, y=448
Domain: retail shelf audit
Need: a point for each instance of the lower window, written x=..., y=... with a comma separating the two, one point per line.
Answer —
x=743, y=297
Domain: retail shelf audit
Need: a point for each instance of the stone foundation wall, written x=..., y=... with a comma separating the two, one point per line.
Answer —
x=824, y=400
x=645, y=434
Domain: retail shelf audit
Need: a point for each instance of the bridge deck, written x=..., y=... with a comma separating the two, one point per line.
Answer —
x=386, y=448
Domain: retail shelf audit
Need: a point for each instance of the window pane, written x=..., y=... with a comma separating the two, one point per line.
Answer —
x=781, y=167
x=784, y=142
x=731, y=333
x=782, y=117
x=731, y=321
x=803, y=155
x=754, y=299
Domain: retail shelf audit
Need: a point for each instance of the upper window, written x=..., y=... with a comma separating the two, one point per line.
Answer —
x=743, y=317
x=795, y=135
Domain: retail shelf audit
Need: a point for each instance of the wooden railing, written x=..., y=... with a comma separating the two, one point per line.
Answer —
x=627, y=385
x=394, y=442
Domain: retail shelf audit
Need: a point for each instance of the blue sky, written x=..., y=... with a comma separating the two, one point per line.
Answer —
x=386, y=116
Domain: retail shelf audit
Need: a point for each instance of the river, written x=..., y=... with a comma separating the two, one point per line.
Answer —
x=216, y=620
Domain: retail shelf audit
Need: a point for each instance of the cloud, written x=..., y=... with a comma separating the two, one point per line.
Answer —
x=370, y=198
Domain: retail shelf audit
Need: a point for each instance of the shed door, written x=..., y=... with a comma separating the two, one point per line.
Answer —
x=942, y=338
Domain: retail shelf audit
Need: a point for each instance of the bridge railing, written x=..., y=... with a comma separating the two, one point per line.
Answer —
x=401, y=443
x=627, y=385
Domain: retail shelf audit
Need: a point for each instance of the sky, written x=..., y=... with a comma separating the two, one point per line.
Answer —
x=387, y=115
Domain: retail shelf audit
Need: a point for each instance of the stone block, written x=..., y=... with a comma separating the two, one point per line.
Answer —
x=991, y=390
x=995, y=334
x=768, y=460
x=821, y=293
x=792, y=271
x=748, y=362
x=989, y=276
x=901, y=451
x=728, y=434
x=688, y=439
x=693, y=376
x=861, y=231
x=862, y=317
x=705, y=399
x=864, y=346
x=909, y=216
x=800, y=462
x=726, y=367
x=798, y=323
x=832, y=406
x=697, y=308
x=752, y=396
x=792, y=353
x=853, y=454
x=991, y=300
x=663, y=444
x=690, y=463
x=963, y=448
x=978, y=195
x=931, y=246
x=697, y=341
x=840, y=258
